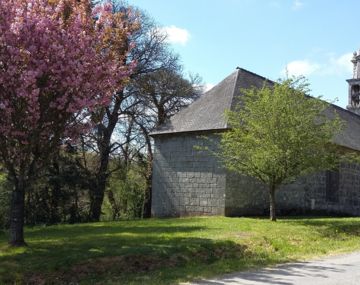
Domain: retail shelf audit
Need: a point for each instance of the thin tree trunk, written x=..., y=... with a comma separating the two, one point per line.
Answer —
x=114, y=205
x=148, y=197
x=55, y=193
x=272, y=203
x=17, y=214
x=148, y=177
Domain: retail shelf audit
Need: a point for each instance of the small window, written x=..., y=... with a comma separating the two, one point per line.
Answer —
x=356, y=89
x=332, y=185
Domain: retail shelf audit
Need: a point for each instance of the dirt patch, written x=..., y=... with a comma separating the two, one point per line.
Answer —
x=222, y=251
x=113, y=265
x=243, y=235
x=127, y=264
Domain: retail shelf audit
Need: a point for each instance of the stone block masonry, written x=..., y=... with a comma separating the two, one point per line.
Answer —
x=311, y=194
x=186, y=181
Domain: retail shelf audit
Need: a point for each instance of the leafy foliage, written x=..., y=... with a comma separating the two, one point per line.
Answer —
x=157, y=89
x=4, y=200
x=279, y=133
x=59, y=62
x=54, y=63
x=60, y=195
x=125, y=194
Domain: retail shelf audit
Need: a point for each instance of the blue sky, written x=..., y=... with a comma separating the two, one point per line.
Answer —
x=315, y=38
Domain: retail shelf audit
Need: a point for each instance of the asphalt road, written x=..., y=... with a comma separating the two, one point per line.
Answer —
x=340, y=270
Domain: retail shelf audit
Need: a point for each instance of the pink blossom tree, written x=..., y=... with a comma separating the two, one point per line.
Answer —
x=57, y=65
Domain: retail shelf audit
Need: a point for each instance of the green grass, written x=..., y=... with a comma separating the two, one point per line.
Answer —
x=167, y=251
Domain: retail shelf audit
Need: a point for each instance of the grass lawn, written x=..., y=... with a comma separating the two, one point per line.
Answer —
x=167, y=251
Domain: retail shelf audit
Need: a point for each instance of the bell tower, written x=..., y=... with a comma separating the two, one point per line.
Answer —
x=354, y=85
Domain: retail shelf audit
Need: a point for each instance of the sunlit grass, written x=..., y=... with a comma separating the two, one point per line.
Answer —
x=166, y=251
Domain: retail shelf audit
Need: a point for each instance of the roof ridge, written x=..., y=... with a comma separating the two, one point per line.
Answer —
x=253, y=73
x=206, y=112
x=346, y=110
x=234, y=88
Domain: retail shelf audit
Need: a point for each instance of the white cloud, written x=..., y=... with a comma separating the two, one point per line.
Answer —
x=333, y=65
x=341, y=64
x=208, y=86
x=297, y=5
x=176, y=35
x=300, y=67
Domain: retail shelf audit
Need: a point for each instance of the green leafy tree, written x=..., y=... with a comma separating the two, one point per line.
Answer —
x=5, y=189
x=279, y=133
x=125, y=194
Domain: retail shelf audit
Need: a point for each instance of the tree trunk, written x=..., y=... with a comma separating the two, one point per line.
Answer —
x=97, y=195
x=97, y=192
x=115, y=207
x=272, y=203
x=55, y=193
x=148, y=177
x=148, y=197
x=17, y=213
x=161, y=115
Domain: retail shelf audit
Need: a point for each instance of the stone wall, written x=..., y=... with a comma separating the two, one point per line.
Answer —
x=246, y=196
x=186, y=181
x=348, y=193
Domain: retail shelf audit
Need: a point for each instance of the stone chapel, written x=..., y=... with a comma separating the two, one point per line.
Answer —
x=191, y=182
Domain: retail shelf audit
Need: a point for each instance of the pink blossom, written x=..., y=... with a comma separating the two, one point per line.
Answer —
x=52, y=71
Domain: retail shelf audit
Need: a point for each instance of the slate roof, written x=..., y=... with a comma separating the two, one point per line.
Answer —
x=207, y=112
x=349, y=137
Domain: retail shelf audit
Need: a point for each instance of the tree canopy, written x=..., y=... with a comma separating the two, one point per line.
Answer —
x=59, y=61
x=279, y=133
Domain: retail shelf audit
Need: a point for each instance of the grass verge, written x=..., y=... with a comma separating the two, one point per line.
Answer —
x=167, y=251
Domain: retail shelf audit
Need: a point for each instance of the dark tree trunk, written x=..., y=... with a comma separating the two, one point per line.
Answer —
x=97, y=191
x=97, y=198
x=74, y=210
x=29, y=208
x=55, y=193
x=99, y=186
x=161, y=115
x=115, y=207
x=148, y=177
x=17, y=214
x=148, y=197
x=272, y=203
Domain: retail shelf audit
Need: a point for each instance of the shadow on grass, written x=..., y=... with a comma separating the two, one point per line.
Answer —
x=134, y=226
x=129, y=258
x=125, y=250
x=139, y=252
x=329, y=227
x=83, y=231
